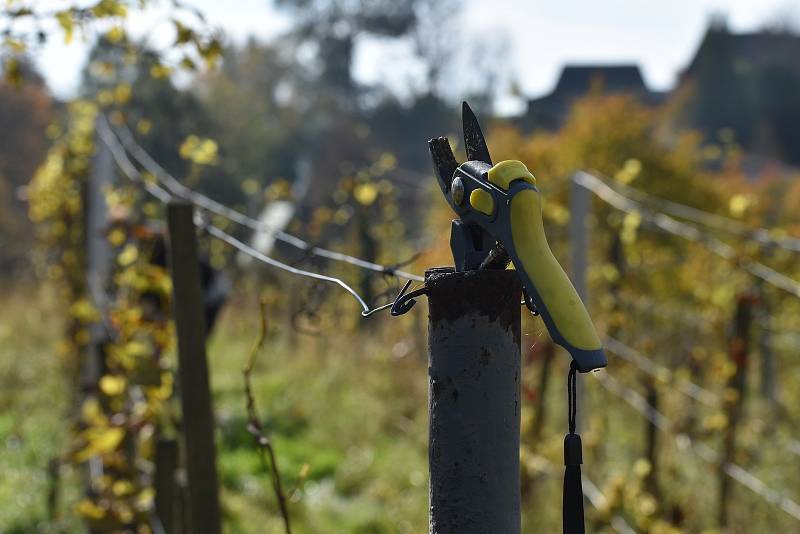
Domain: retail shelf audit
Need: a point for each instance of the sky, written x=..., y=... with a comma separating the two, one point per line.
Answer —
x=537, y=37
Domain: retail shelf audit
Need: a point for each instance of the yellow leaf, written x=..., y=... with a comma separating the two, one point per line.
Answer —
x=630, y=170
x=115, y=34
x=122, y=487
x=100, y=441
x=144, y=126
x=109, y=8
x=160, y=72
x=738, y=205
x=67, y=24
x=387, y=161
x=113, y=385
x=137, y=349
x=105, y=97
x=15, y=45
x=91, y=412
x=90, y=510
x=184, y=34
x=128, y=255
x=250, y=186
x=202, y=151
x=116, y=237
x=84, y=311
x=13, y=73
x=108, y=440
x=365, y=194
x=642, y=467
x=145, y=498
x=122, y=93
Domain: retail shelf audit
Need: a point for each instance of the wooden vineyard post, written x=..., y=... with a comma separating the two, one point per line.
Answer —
x=165, y=486
x=474, y=401
x=198, y=419
x=739, y=346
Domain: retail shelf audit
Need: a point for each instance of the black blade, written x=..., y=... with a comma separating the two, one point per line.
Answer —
x=474, y=142
x=444, y=162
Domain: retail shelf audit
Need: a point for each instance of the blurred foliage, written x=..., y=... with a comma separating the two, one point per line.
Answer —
x=28, y=25
x=123, y=411
x=285, y=121
x=624, y=142
x=22, y=147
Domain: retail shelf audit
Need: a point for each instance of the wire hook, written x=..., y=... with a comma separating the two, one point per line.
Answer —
x=405, y=301
x=402, y=303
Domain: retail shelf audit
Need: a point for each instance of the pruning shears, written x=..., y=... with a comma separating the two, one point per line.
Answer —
x=500, y=220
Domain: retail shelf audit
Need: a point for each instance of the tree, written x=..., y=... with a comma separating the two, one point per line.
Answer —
x=26, y=111
x=128, y=77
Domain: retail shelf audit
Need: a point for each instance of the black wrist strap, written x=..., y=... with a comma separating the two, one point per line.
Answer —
x=573, y=458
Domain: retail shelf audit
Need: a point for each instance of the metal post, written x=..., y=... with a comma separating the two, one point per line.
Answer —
x=98, y=258
x=580, y=203
x=98, y=269
x=98, y=251
x=474, y=401
x=769, y=370
x=198, y=419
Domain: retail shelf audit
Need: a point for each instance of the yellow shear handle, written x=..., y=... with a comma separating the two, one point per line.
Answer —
x=542, y=274
x=557, y=293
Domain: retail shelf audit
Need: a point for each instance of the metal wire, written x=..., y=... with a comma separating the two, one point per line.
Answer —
x=706, y=453
x=597, y=186
x=712, y=220
x=591, y=491
x=688, y=232
x=600, y=502
x=125, y=165
x=133, y=174
x=125, y=138
x=660, y=372
x=227, y=238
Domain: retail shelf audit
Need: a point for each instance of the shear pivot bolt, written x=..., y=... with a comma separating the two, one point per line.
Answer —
x=458, y=191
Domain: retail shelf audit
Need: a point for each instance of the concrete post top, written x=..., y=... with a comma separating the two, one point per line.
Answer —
x=487, y=292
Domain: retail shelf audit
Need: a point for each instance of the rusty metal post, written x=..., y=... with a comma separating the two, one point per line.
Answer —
x=474, y=401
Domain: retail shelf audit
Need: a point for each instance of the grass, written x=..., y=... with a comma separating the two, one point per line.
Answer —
x=34, y=399
x=356, y=417
x=352, y=405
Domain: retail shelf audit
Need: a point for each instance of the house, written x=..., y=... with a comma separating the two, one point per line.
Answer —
x=746, y=83
x=549, y=112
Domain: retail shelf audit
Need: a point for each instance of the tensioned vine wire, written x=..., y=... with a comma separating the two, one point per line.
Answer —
x=659, y=372
x=672, y=226
x=124, y=137
x=592, y=493
x=125, y=164
x=703, y=451
x=764, y=236
x=171, y=186
x=135, y=176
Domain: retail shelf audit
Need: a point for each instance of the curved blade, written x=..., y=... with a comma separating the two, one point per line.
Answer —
x=444, y=162
x=474, y=143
